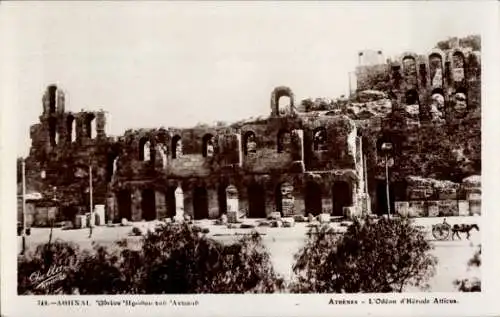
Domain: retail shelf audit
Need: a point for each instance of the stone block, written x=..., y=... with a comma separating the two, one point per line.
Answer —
x=288, y=222
x=433, y=208
x=275, y=215
x=402, y=208
x=463, y=208
x=324, y=218
x=232, y=217
x=416, y=209
x=349, y=212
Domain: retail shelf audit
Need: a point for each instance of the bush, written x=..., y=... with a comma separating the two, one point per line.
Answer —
x=372, y=256
x=52, y=259
x=174, y=259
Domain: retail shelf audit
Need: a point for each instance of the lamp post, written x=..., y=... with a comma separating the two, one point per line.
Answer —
x=91, y=201
x=23, y=167
x=387, y=148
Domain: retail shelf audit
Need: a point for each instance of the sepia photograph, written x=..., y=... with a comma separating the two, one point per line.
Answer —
x=247, y=148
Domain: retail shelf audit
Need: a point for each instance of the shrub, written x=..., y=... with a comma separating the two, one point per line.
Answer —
x=372, y=256
x=175, y=259
x=56, y=259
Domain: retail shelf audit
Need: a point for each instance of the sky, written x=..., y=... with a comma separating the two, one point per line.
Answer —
x=161, y=64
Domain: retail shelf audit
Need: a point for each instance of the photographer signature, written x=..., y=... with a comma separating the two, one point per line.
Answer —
x=53, y=275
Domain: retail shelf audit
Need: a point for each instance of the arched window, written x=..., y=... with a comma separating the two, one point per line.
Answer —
x=145, y=150
x=284, y=141
x=458, y=65
x=70, y=122
x=208, y=145
x=53, y=131
x=52, y=98
x=436, y=70
x=410, y=70
x=89, y=125
x=176, y=147
x=319, y=139
x=162, y=150
x=249, y=143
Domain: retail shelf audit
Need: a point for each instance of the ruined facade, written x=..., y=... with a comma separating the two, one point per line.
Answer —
x=292, y=162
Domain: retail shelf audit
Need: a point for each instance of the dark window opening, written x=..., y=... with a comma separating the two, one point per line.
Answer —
x=249, y=143
x=52, y=99
x=313, y=199
x=176, y=147
x=208, y=145
x=52, y=131
x=341, y=197
x=124, y=201
x=148, y=204
x=256, y=201
x=200, y=203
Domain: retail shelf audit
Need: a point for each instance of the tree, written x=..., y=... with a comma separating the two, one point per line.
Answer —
x=174, y=259
x=373, y=256
x=471, y=285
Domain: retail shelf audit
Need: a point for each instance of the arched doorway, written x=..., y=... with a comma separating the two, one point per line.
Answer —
x=200, y=203
x=278, y=199
x=341, y=197
x=256, y=201
x=148, y=204
x=313, y=199
x=222, y=199
x=170, y=202
x=124, y=201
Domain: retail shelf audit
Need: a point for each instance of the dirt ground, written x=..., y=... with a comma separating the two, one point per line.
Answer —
x=284, y=243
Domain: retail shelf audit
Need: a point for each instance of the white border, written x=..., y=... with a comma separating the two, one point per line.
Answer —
x=483, y=304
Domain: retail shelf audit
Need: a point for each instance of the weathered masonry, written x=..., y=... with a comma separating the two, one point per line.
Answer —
x=295, y=161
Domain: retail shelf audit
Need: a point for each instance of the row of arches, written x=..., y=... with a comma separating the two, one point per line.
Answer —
x=455, y=70
x=437, y=103
x=89, y=129
x=147, y=151
x=284, y=141
x=313, y=195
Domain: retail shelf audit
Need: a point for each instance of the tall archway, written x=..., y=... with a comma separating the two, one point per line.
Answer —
x=341, y=197
x=144, y=150
x=277, y=94
x=222, y=198
x=313, y=198
x=170, y=202
x=436, y=70
x=89, y=125
x=458, y=65
x=111, y=165
x=278, y=199
x=410, y=71
x=124, y=201
x=52, y=89
x=256, y=201
x=53, y=131
x=70, y=128
x=200, y=203
x=148, y=204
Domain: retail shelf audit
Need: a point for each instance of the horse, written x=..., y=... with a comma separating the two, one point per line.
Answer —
x=463, y=228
